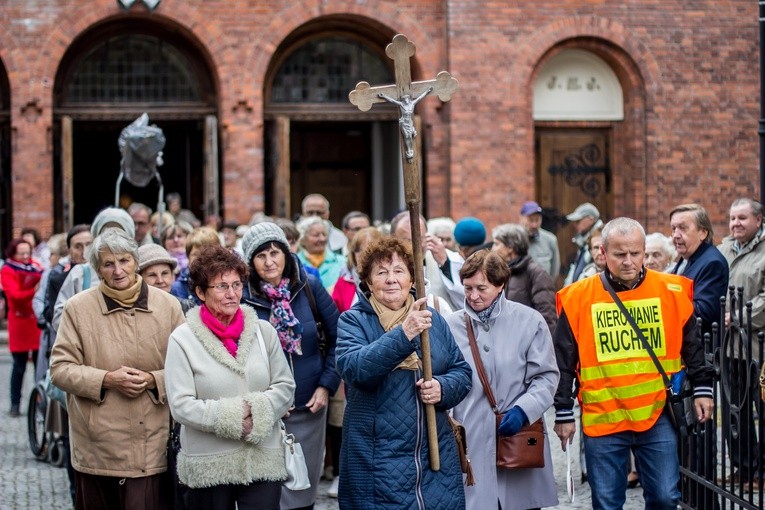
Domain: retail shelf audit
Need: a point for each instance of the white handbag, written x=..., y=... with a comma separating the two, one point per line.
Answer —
x=297, y=471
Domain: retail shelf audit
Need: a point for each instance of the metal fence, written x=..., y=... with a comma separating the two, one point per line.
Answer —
x=721, y=462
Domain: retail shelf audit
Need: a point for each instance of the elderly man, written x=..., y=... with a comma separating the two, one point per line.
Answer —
x=543, y=245
x=141, y=214
x=586, y=219
x=622, y=411
x=316, y=204
x=353, y=222
x=699, y=260
x=745, y=253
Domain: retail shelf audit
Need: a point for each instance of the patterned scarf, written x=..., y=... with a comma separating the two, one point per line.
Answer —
x=289, y=328
x=484, y=314
x=228, y=335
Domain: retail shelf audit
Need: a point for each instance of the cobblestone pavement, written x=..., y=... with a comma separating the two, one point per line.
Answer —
x=26, y=483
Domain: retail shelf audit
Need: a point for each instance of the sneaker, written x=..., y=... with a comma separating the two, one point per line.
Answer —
x=332, y=491
x=14, y=412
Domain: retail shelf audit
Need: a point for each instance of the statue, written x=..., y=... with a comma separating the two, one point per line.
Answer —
x=405, y=122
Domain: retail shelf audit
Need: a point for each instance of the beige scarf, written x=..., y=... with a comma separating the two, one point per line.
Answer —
x=389, y=319
x=125, y=298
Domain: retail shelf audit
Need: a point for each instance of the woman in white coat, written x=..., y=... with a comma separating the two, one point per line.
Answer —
x=518, y=359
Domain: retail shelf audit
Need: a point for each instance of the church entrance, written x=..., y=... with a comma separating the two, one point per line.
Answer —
x=316, y=141
x=107, y=79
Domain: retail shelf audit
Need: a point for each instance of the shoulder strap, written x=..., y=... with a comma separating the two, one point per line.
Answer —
x=311, y=300
x=631, y=320
x=436, y=304
x=479, y=365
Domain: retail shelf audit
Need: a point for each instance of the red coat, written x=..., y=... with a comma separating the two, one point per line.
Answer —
x=344, y=292
x=19, y=282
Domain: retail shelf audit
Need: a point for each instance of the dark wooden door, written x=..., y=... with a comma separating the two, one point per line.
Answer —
x=572, y=167
x=333, y=159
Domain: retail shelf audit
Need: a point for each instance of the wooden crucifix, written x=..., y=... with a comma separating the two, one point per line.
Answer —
x=406, y=94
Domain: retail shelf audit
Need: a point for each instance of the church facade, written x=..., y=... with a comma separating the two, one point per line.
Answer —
x=633, y=106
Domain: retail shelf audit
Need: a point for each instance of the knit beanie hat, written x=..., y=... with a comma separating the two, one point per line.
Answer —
x=150, y=254
x=258, y=235
x=469, y=231
x=113, y=215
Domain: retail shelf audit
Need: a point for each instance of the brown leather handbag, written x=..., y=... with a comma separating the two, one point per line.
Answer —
x=524, y=450
x=460, y=437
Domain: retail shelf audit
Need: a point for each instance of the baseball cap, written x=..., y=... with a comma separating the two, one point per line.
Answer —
x=530, y=208
x=584, y=210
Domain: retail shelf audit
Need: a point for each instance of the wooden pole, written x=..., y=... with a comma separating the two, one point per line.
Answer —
x=412, y=195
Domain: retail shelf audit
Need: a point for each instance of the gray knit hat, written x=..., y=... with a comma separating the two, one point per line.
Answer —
x=113, y=215
x=150, y=254
x=259, y=234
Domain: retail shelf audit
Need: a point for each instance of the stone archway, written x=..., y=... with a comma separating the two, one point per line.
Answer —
x=108, y=77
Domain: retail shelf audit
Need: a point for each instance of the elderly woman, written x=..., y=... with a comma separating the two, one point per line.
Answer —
x=109, y=358
x=528, y=284
x=173, y=239
x=659, y=252
x=598, y=263
x=517, y=356
x=20, y=276
x=294, y=302
x=314, y=251
x=197, y=240
x=385, y=451
x=228, y=386
x=157, y=268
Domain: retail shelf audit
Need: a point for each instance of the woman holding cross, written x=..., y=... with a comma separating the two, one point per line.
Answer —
x=384, y=454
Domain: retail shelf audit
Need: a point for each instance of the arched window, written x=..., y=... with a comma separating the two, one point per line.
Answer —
x=577, y=85
x=133, y=69
x=325, y=70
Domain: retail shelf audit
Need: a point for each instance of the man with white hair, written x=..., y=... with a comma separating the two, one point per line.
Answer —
x=316, y=204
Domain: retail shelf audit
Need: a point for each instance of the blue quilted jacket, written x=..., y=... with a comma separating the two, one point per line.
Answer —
x=310, y=369
x=384, y=453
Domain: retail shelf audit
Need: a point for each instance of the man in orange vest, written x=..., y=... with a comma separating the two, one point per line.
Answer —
x=620, y=390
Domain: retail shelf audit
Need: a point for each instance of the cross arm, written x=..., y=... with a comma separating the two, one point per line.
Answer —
x=364, y=95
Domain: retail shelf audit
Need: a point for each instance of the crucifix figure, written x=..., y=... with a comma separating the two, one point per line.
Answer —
x=406, y=94
x=405, y=122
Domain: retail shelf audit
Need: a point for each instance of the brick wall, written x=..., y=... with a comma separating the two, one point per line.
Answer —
x=689, y=70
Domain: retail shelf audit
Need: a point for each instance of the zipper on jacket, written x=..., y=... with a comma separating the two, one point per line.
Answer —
x=418, y=450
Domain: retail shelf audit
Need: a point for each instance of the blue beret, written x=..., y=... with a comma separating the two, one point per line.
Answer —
x=469, y=231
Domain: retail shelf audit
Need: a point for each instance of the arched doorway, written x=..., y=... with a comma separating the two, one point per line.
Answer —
x=316, y=141
x=578, y=101
x=6, y=220
x=109, y=77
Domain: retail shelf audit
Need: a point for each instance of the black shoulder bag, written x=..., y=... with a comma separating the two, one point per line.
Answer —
x=320, y=333
x=679, y=405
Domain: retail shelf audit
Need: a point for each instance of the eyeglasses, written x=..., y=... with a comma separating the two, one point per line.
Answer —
x=223, y=287
x=314, y=213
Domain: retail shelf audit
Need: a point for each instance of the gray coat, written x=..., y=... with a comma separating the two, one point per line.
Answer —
x=518, y=358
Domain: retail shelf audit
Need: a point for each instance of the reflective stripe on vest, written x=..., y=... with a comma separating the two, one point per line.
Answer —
x=620, y=387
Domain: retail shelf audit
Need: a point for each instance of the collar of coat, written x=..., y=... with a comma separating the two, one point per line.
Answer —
x=142, y=303
x=214, y=346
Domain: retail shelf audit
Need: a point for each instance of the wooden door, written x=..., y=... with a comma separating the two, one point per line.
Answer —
x=333, y=159
x=67, y=172
x=210, y=190
x=572, y=167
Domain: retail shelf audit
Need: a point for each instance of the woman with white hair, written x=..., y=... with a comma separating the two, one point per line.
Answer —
x=659, y=252
x=314, y=252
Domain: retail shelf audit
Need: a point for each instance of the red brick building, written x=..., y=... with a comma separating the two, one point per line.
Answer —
x=635, y=106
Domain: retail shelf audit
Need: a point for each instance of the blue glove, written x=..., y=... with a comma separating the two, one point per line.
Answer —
x=512, y=421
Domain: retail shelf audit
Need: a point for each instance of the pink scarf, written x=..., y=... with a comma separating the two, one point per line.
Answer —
x=228, y=335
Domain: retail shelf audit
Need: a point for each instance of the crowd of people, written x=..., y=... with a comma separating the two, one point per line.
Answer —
x=240, y=334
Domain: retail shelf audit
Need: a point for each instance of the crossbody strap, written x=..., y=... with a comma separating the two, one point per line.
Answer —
x=312, y=304
x=631, y=320
x=479, y=365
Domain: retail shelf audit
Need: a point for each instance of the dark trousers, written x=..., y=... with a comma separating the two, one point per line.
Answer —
x=94, y=492
x=17, y=374
x=334, y=440
x=739, y=429
x=254, y=496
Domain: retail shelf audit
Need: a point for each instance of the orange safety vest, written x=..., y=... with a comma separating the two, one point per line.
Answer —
x=620, y=387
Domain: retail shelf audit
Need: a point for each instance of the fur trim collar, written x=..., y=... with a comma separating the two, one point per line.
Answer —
x=215, y=347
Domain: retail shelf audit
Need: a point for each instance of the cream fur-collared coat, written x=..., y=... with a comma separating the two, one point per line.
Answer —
x=207, y=389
